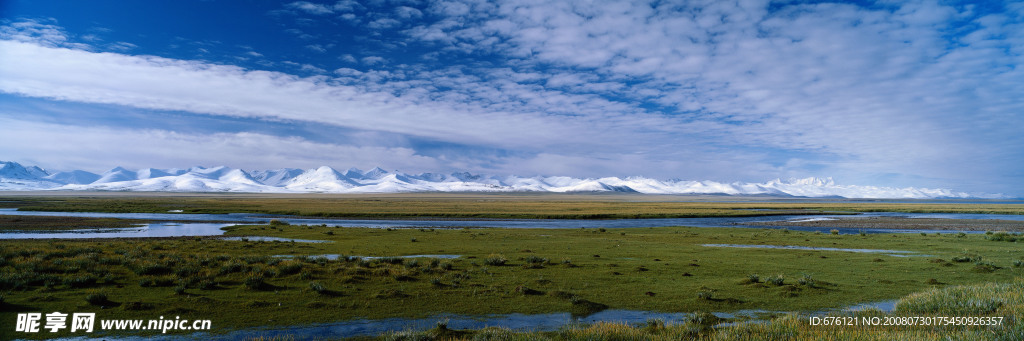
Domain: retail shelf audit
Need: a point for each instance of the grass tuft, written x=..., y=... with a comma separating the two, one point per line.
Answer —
x=495, y=260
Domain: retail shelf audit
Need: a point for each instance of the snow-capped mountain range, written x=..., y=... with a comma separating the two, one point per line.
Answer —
x=15, y=177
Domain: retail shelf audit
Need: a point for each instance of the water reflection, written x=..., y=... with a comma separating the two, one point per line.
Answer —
x=144, y=231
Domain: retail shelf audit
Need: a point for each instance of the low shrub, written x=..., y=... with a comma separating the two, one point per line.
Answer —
x=152, y=269
x=137, y=305
x=962, y=259
x=984, y=267
x=97, y=299
x=495, y=260
x=207, y=284
x=232, y=267
x=289, y=267
x=391, y=260
x=83, y=281
x=255, y=281
x=317, y=288
x=536, y=260
x=807, y=280
x=188, y=270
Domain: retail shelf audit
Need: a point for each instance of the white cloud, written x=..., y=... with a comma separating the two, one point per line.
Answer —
x=45, y=33
x=347, y=72
x=310, y=8
x=348, y=58
x=346, y=5
x=371, y=60
x=311, y=68
x=898, y=88
x=804, y=89
x=67, y=147
x=317, y=48
x=121, y=46
x=406, y=12
x=166, y=84
x=383, y=23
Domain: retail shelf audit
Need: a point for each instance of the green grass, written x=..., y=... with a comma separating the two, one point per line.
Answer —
x=239, y=284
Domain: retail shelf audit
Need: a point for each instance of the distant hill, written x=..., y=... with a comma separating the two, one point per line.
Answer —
x=16, y=177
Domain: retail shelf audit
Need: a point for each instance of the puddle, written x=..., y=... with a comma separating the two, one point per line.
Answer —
x=894, y=253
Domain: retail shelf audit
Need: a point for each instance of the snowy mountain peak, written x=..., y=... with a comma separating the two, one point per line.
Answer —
x=813, y=181
x=327, y=170
x=14, y=176
x=76, y=177
x=117, y=174
x=375, y=173
x=150, y=173
x=277, y=177
x=353, y=173
x=14, y=170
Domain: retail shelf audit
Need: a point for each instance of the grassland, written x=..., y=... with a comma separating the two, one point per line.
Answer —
x=500, y=206
x=241, y=284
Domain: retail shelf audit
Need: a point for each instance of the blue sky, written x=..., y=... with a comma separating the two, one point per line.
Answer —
x=889, y=93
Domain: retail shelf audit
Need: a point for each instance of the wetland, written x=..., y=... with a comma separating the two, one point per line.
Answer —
x=370, y=276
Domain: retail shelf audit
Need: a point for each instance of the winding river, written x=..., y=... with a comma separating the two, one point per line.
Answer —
x=181, y=224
